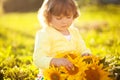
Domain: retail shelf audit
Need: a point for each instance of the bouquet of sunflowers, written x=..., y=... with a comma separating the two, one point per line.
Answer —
x=85, y=68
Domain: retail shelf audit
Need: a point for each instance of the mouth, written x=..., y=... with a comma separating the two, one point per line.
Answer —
x=64, y=26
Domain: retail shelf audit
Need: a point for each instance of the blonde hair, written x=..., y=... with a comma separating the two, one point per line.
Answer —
x=57, y=8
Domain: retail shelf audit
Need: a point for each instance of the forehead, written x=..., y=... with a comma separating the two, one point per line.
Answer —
x=61, y=16
x=62, y=7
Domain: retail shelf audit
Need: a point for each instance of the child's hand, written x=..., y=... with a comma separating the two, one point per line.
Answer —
x=62, y=62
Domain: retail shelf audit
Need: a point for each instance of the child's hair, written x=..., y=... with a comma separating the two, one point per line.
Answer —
x=60, y=7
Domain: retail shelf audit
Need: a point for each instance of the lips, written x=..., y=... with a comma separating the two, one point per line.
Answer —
x=64, y=26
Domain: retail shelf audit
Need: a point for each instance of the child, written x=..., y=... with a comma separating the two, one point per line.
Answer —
x=57, y=34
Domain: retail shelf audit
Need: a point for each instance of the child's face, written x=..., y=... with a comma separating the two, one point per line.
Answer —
x=61, y=23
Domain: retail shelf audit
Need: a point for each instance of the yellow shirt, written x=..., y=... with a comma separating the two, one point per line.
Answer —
x=49, y=41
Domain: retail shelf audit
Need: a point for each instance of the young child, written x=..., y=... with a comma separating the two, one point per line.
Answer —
x=57, y=34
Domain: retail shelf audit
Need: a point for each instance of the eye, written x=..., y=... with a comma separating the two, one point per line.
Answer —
x=58, y=18
x=69, y=17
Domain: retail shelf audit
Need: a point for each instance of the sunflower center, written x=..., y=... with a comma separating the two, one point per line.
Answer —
x=88, y=60
x=92, y=74
x=55, y=76
x=74, y=71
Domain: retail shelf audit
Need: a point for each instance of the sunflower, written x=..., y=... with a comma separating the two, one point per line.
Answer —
x=91, y=59
x=95, y=70
x=82, y=67
x=79, y=67
x=53, y=73
x=92, y=73
x=76, y=74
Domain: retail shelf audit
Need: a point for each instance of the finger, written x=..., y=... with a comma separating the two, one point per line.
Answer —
x=68, y=68
x=70, y=65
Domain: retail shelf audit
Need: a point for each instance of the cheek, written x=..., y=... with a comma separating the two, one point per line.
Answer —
x=70, y=21
x=55, y=22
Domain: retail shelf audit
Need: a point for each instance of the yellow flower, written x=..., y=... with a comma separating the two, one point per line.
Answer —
x=95, y=70
x=52, y=74
x=76, y=74
x=92, y=73
x=91, y=59
x=79, y=67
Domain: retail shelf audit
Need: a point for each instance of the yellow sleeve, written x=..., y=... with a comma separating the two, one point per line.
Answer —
x=41, y=56
x=81, y=44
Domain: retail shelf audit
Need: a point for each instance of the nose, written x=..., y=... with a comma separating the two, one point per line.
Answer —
x=64, y=20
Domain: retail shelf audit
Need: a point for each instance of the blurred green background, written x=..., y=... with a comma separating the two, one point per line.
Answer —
x=99, y=24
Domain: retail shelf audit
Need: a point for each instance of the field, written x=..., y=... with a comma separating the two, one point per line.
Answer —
x=99, y=27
